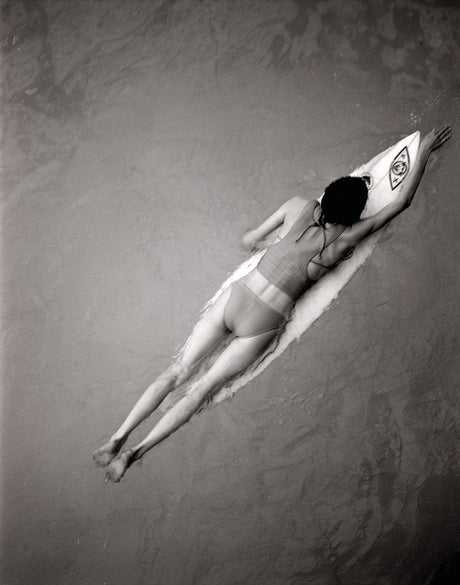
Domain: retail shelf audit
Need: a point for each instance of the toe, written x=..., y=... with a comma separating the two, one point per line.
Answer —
x=100, y=458
x=111, y=476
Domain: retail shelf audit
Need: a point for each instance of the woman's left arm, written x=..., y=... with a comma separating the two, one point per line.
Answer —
x=252, y=238
x=364, y=227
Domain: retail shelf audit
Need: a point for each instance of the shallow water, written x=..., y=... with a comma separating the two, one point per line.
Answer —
x=140, y=140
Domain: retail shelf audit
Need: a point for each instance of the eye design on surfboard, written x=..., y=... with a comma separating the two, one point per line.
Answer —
x=399, y=168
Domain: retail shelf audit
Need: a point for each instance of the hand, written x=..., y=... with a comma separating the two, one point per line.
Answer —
x=436, y=138
x=249, y=241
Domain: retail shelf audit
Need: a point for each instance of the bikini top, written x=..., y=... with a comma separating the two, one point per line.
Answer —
x=285, y=264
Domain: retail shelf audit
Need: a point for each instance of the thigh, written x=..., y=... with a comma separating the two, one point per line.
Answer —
x=240, y=354
x=207, y=333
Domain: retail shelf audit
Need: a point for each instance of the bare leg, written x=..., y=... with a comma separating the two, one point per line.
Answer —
x=147, y=403
x=208, y=332
x=235, y=358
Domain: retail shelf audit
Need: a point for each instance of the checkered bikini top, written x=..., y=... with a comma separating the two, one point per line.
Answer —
x=285, y=264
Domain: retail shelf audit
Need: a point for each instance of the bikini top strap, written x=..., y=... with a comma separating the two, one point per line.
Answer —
x=314, y=223
x=324, y=247
x=332, y=241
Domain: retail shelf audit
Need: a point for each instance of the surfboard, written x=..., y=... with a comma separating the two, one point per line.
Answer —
x=385, y=175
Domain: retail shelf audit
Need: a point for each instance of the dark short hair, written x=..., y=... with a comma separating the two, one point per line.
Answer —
x=344, y=200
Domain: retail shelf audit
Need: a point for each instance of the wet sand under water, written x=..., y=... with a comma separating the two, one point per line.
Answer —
x=140, y=140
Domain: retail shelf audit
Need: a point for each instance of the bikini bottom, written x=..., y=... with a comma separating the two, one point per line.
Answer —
x=246, y=315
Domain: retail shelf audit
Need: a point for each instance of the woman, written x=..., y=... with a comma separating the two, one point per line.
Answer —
x=312, y=239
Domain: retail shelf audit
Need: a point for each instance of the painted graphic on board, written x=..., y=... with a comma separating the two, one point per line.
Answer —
x=399, y=168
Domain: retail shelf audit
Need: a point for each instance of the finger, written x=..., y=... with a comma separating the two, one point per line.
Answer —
x=445, y=130
x=445, y=134
x=440, y=140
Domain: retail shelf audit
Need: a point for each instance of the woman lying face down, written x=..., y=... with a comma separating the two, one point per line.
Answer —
x=312, y=239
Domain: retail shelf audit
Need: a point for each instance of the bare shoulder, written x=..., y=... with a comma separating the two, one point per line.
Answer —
x=295, y=205
x=292, y=209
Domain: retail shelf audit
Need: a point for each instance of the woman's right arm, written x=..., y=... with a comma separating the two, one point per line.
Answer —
x=252, y=238
x=369, y=225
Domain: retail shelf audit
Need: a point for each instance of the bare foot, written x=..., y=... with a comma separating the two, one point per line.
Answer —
x=104, y=455
x=117, y=468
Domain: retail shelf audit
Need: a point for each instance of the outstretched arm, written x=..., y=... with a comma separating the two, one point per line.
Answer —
x=365, y=227
x=252, y=238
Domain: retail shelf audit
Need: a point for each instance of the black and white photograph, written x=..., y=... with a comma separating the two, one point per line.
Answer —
x=229, y=279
